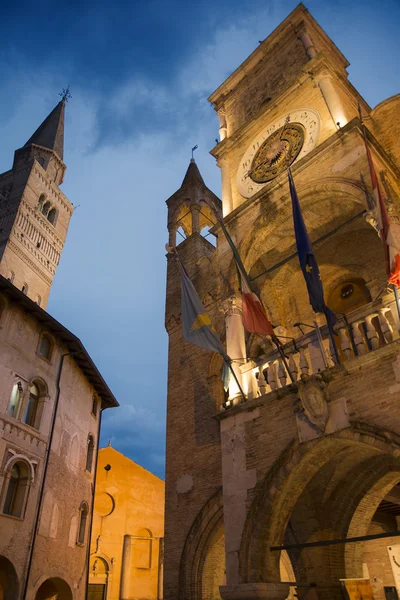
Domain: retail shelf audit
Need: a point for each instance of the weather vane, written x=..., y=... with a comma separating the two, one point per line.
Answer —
x=193, y=149
x=65, y=94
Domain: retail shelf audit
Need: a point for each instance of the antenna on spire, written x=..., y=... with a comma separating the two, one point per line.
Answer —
x=65, y=94
x=193, y=149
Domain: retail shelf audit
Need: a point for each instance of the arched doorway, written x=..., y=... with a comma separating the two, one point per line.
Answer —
x=98, y=578
x=332, y=490
x=8, y=580
x=54, y=589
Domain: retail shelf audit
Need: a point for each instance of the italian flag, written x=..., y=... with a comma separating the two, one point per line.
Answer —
x=389, y=232
x=254, y=317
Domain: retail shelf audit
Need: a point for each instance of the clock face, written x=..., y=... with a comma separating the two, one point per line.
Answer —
x=276, y=147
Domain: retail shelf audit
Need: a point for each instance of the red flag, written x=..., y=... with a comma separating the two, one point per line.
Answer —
x=254, y=317
x=389, y=232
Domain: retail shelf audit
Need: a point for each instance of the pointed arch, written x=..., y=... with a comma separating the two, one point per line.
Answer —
x=364, y=453
x=207, y=522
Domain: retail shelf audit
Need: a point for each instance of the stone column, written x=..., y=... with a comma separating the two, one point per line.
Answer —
x=195, y=210
x=304, y=36
x=235, y=341
x=223, y=128
x=126, y=567
x=227, y=202
x=172, y=235
x=332, y=99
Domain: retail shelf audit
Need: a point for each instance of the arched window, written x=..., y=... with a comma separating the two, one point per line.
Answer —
x=82, y=523
x=52, y=216
x=45, y=208
x=24, y=288
x=17, y=484
x=40, y=160
x=42, y=200
x=45, y=346
x=15, y=400
x=89, y=456
x=31, y=412
x=11, y=276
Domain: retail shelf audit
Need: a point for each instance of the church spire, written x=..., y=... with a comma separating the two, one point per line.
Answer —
x=193, y=206
x=193, y=175
x=50, y=134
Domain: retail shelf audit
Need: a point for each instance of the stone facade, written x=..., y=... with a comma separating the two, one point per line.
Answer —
x=128, y=529
x=51, y=395
x=264, y=473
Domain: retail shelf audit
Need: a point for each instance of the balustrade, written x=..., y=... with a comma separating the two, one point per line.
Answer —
x=358, y=333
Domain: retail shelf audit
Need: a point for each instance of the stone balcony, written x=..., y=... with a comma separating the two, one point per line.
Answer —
x=360, y=332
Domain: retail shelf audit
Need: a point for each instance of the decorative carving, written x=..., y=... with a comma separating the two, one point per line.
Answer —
x=314, y=400
x=279, y=149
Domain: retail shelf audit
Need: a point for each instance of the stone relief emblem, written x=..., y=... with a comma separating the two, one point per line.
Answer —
x=313, y=397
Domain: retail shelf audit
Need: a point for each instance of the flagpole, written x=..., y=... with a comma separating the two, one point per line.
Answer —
x=229, y=363
x=332, y=339
x=283, y=357
x=396, y=295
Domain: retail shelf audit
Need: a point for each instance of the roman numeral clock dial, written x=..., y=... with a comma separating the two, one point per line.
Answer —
x=276, y=146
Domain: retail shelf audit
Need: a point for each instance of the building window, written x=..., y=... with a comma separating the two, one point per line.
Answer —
x=44, y=209
x=51, y=217
x=45, y=346
x=31, y=412
x=82, y=523
x=15, y=400
x=25, y=288
x=17, y=485
x=89, y=456
x=94, y=406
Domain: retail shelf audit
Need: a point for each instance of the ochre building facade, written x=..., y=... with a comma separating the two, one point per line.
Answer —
x=249, y=481
x=51, y=395
x=126, y=559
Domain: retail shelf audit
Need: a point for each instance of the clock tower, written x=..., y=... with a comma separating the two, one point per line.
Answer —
x=242, y=501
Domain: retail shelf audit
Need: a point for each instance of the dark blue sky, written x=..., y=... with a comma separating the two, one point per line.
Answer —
x=140, y=73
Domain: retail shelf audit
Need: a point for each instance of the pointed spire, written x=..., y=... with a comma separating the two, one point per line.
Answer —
x=193, y=175
x=50, y=134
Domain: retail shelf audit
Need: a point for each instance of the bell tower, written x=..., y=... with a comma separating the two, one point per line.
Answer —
x=34, y=213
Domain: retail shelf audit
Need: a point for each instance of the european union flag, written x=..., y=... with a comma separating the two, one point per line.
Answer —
x=307, y=260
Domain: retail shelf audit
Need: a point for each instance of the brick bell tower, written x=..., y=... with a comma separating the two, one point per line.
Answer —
x=34, y=213
x=191, y=407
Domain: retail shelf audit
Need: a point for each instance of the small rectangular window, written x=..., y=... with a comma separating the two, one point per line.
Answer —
x=94, y=406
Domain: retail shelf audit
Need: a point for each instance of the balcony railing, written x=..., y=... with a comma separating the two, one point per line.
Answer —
x=359, y=332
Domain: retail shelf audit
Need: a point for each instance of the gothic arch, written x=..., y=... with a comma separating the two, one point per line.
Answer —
x=261, y=237
x=9, y=584
x=53, y=586
x=207, y=522
x=278, y=493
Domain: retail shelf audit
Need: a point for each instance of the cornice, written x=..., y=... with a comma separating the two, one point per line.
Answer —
x=30, y=262
x=52, y=188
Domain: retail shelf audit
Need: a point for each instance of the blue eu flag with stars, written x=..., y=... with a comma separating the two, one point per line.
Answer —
x=307, y=259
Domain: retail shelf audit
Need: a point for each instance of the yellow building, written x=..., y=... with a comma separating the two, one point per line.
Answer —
x=128, y=528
